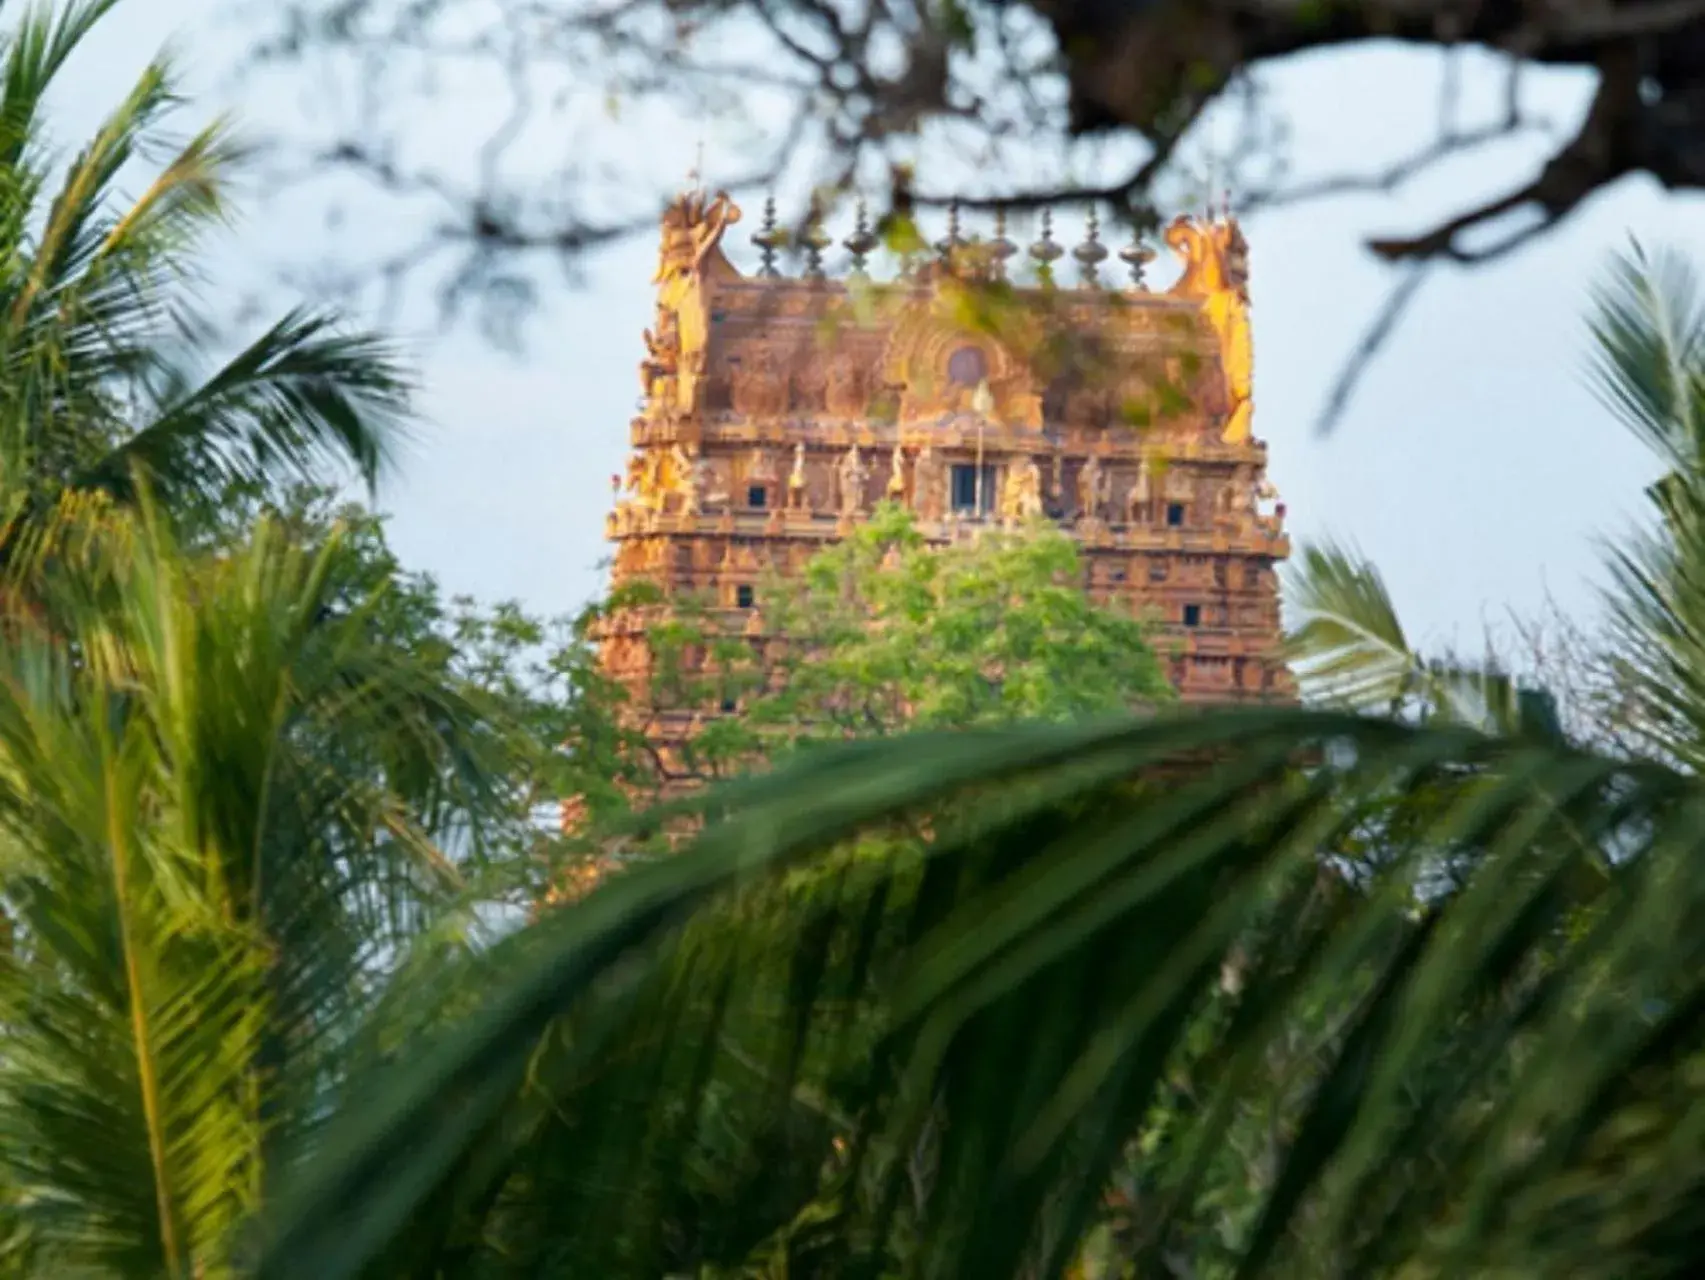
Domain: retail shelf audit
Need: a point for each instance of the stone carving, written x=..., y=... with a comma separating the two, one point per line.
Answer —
x=1273, y=522
x=1021, y=495
x=651, y=479
x=1091, y=489
x=921, y=346
x=657, y=372
x=852, y=475
x=687, y=255
x=1216, y=270
x=695, y=480
x=760, y=387
x=1139, y=502
x=1086, y=407
x=929, y=480
x=809, y=386
x=1178, y=486
x=798, y=490
x=844, y=391
x=762, y=468
x=897, y=475
x=1235, y=503
x=684, y=478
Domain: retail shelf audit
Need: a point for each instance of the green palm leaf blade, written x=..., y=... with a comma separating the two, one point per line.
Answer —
x=1349, y=650
x=299, y=398
x=1042, y=982
x=1647, y=363
x=214, y=821
x=102, y=375
x=1348, y=647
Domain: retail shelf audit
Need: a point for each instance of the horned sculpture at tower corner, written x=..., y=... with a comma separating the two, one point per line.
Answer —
x=688, y=255
x=1216, y=270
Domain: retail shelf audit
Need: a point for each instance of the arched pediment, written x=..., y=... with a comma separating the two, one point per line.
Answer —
x=938, y=361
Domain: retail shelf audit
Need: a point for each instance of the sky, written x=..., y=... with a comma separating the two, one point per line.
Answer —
x=1473, y=466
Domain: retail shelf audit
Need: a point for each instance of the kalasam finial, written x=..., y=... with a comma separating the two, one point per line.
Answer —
x=1000, y=248
x=815, y=241
x=1136, y=256
x=1045, y=251
x=1091, y=252
x=769, y=237
x=861, y=242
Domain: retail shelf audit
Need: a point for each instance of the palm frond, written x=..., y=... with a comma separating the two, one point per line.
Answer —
x=65, y=249
x=224, y=810
x=994, y=1016
x=300, y=399
x=1647, y=363
x=36, y=50
x=1349, y=651
x=1348, y=646
x=92, y=308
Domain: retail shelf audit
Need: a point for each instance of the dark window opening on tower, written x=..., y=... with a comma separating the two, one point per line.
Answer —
x=1192, y=615
x=744, y=596
x=965, y=495
x=1174, y=514
x=757, y=496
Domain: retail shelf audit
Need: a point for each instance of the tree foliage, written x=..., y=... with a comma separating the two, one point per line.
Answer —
x=880, y=633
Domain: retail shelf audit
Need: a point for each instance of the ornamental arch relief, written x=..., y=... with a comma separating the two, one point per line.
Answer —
x=939, y=365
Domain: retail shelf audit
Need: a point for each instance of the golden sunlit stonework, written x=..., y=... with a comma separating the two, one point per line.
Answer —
x=778, y=411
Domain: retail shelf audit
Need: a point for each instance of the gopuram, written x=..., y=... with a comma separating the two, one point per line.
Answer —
x=778, y=411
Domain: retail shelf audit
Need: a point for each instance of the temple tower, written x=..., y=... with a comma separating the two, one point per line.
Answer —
x=779, y=410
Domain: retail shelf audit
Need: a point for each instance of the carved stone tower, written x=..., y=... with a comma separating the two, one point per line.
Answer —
x=778, y=411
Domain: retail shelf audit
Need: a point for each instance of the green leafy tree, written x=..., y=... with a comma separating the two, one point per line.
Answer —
x=885, y=633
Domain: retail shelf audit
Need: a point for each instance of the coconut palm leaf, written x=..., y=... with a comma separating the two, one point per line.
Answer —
x=1348, y=645
x=1349, y=650
x=103, y=374
x=1647, y=363
x=1657, y=609
x=989, y=1018
x=298, y=402
x=222, y=811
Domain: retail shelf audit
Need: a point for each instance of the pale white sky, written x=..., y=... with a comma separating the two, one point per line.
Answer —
x=1473, y=466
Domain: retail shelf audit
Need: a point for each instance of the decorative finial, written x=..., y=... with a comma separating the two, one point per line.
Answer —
x=1136, y=256
x=1044, y=252
x=861, y=241
x=769, y=237
x=1000, y=248
x=815, y=241
x=1090, y=253
x=947, y=246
